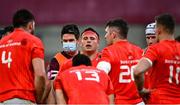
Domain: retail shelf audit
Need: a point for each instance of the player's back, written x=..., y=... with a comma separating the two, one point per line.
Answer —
x=123, y=56
x=16, y=69
x=86, y=85
x=166, y=67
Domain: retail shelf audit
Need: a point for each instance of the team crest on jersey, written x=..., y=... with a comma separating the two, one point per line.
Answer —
x=130, y=57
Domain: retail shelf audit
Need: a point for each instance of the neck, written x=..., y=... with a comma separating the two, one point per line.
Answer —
x=24, y=28
x=117, y=39
x=166, y=36
x=90, y=54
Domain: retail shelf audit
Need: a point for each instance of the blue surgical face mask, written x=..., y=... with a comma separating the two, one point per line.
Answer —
x=69, y=46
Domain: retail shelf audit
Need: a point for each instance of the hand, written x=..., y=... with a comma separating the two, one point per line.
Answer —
x=52, y=74
x=145, y=94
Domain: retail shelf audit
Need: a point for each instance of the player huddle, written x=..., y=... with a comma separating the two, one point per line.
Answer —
x=122, y=73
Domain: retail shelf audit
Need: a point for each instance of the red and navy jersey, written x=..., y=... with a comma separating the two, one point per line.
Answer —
x=55, y=64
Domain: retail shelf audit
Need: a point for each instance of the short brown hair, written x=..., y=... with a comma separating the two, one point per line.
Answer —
x=167, y=21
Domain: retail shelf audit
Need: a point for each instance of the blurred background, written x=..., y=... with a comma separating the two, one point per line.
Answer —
x=51, y=15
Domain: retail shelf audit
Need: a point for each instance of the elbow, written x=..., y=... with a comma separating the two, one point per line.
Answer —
x=136, y=72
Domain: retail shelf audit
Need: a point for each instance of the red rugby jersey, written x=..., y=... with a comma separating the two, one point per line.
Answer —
x=16, y=72
x=85, y=85
x=122, y=56
x=164, y=77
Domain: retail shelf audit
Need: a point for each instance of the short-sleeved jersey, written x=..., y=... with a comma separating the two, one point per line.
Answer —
x=122, y=56
x=164, y=77
x=85, y=85
x=68, y=64
x=16, y=71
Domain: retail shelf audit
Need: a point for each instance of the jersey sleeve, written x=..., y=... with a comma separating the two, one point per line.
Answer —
x=110, y=89
x=37, y=49
x=57, y=83
x=151, y=53
x=105, y=55
x=105, y=61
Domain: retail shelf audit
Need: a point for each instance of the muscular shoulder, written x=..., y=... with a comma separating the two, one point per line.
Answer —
x=107, y=50
x=134, y=47
x=28, y=36
x=153, y=48
x=35, y=40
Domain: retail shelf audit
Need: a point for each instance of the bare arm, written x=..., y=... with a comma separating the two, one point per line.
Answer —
x=111, y=99
x=60, y=97
x=139, y=80
x=140, y=68
x=47, y=90
x=51, y=96
x=52, y=71
x=40, y=79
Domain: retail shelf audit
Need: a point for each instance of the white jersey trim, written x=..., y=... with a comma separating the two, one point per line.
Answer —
x=103, y=65
x=141, y=103
x=151, y=63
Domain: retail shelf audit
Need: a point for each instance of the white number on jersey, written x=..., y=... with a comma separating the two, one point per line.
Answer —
x=93, y=76
x=129, y=72
x=177, y=70
x=8, y=60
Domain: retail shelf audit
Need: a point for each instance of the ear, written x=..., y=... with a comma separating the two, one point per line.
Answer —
x=30, y=26
x=158, y=30
x=113, y=35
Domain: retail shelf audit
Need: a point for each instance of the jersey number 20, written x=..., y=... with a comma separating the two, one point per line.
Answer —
x=128, y=72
